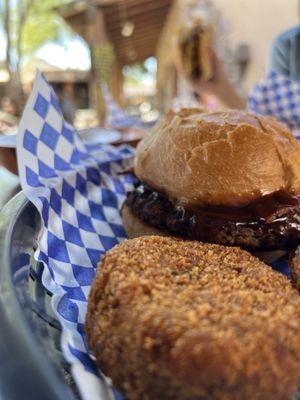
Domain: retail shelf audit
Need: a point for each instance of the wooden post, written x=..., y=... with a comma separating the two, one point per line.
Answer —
x=116, y=83
x=101, y=55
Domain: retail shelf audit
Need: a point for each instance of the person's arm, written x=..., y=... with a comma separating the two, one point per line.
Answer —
x=220, y=86
x=279, y=57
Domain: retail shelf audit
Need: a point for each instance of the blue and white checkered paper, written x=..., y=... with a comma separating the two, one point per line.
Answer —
x=116, y=117
x=279, y=97
x=78, y=190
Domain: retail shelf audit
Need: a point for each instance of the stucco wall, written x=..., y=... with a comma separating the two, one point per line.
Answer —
x=257, y=22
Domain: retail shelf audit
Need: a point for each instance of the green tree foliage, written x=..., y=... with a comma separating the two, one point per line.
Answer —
x=42, y=24
x=27, y=25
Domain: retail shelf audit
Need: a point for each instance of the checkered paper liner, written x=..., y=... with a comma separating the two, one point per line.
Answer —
x=278, y=96
x=78, y=190
x=116, y=117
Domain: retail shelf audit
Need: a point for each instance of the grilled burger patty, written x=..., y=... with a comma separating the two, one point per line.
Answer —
x=268, y=223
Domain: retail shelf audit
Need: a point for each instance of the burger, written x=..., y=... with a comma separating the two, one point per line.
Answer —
x=228, y=177
x=193, y=52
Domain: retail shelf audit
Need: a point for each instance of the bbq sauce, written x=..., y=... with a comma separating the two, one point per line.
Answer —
x=270, y=221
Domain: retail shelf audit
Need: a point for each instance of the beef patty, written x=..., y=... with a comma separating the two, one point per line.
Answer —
x=268, y=223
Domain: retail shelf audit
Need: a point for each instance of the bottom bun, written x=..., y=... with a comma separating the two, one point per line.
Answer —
x=269, y=257
x=135, y=227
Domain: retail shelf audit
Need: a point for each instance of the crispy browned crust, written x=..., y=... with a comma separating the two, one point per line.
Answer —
x=171, y=319
x=221, y=158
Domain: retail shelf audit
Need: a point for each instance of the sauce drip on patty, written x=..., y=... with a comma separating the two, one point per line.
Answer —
x=269, y=222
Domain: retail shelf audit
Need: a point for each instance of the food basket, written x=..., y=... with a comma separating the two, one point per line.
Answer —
x=32, y=365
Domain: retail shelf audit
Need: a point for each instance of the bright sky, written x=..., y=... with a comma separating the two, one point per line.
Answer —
x=72, y=53
x=2, y=47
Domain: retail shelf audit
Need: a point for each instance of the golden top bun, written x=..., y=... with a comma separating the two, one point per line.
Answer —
x=222, y=158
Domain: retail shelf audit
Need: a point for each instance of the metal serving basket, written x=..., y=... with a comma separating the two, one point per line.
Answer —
x=32, y=365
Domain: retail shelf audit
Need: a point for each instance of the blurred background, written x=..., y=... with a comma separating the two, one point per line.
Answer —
x=98, y=53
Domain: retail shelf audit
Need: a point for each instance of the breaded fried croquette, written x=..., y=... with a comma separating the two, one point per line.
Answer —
x=182, y=320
